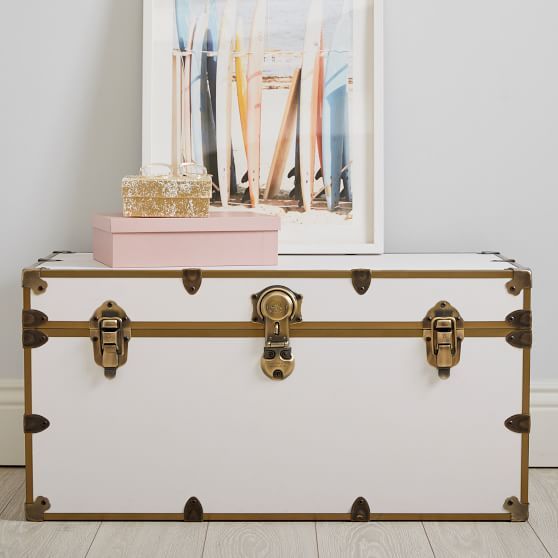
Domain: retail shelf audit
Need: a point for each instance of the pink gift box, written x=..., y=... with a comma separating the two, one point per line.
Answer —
x=223, y=238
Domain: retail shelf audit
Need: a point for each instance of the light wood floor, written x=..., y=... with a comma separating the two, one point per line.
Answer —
x=538, y=537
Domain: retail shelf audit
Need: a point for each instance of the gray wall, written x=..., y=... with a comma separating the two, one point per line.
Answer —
x=471, y=134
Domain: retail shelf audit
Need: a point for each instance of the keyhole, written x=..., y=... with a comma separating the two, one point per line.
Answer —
x=276, y=328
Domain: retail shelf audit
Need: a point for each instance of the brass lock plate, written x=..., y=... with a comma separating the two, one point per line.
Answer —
x=110, y=331
x=443, y=331
x=277, y=307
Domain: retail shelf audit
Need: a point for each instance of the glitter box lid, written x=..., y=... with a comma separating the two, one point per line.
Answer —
x=189, y=186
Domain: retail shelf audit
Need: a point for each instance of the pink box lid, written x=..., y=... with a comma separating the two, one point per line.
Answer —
x=218, y=221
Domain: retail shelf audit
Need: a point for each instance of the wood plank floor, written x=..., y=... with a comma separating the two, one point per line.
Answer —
x=536, y=538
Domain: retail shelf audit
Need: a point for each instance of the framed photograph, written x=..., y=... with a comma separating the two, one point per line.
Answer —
x=282, y=102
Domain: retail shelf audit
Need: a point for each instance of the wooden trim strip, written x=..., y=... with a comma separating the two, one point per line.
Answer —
x=275, y=273
x=525, y=409
x=295, y=327
x=277, y=517
x=28, y=408
x=241, y=332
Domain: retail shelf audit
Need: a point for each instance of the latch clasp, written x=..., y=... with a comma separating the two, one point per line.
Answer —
x=443, y=332
x=276, y=308
x=110, y=332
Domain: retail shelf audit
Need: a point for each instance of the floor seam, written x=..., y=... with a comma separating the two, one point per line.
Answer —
x=14, y=495
x=205, y=539
x=93, y=539
x=316, y=535
x=428, y=539
x=540, y=540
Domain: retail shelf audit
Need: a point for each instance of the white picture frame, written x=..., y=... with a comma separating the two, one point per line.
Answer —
x=365, y=233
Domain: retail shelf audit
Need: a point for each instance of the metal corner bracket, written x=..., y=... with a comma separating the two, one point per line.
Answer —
x=520, y=424
x=33, y=318
x=33, y=338
x=518, y=510
x=361, y=279
x=192, y=280
x=521, y=280
x=31, y=279
x=33, y=424
x=36, y=510
x=520, y=319
x=193, y=510
x=360, y=510
x=520, y=339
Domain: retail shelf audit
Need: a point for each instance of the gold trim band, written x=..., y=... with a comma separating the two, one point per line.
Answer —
x=251, y=326
x=525, y=409
x=272, y=273
x=241, y=332
x=277, y=517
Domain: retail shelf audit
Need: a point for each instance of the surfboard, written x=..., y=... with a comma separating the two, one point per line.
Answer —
x=346, y=168
x=335, y=110
x=240, y=77
x=284, y=139
x=182, y=16
x=197, y=84
x=319, y=115
x=224, y=98
x=181, y=130
x=186, y=103
x=212, y=46
x=254, y=99
x=297, y=192
x=309, y=101
x=209, y=138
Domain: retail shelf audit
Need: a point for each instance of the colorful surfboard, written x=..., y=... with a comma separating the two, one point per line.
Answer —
x=212, y=47
x=347, y=162
x=335, y=121
x=197, y=85
x=181, y=128
x=319, y=116
x=224, y=98
x=309, y=101
x=209, y=137
x=182, y=16
x=254, y=99
x=284, y=139
x=240, y=76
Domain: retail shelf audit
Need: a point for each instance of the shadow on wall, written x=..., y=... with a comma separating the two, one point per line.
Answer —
x=110, y=145
x=73, y=129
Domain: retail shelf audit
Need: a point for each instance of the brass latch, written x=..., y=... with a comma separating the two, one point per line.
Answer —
x=443, y=332
x=110, y=331
x=276, y=308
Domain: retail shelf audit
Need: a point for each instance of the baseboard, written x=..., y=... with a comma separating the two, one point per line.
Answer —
x=544, y=427
x=544, y=431
x=11, y=421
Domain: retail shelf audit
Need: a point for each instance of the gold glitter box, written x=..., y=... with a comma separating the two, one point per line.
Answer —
x=185, y=195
